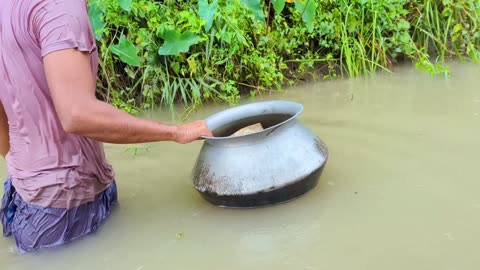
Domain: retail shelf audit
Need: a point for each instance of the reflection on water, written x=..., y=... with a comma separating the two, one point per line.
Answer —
x=400, y=191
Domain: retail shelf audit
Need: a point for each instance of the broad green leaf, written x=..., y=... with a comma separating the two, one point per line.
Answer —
x=255, y=6
x=126, y=51
x=96, y=19
x=227, y=37
x=207, y=12
x=176, y=67
x=176, y=43
x=403, y=24
x=308, y=10
x=404, y=37
x=457, y=27
x=446, y=2
x=364, y=2
x=447, y=11
x=456, y=31
x=125, y=4
x=351, y=24
x=278, y=5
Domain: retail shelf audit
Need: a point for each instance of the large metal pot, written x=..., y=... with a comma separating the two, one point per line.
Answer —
x=278, y=164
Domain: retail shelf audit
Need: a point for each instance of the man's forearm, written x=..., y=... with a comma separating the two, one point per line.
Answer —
x=102, y=122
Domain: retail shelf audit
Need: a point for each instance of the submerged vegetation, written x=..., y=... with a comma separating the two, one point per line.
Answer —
x=164, y=52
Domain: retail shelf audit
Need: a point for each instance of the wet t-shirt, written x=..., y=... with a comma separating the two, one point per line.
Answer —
x=47, y=166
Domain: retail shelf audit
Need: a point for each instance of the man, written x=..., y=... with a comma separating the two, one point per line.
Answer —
x=59, y=185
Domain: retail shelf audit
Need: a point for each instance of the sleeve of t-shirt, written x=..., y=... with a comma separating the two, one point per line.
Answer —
x=64, y=24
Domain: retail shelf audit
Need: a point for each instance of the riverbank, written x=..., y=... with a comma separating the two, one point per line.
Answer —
x=165, y=52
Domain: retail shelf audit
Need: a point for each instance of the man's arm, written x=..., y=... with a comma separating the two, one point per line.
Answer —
x=72, y=86
x=4, y=137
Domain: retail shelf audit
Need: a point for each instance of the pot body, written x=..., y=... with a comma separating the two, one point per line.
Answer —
x=276, y=165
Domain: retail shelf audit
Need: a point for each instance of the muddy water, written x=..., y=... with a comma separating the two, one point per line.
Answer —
x=401, y=191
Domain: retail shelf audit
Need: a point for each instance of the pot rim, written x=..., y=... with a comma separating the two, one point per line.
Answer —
x=298, y=107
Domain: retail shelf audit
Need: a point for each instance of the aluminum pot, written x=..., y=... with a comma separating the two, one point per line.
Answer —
x=278, y=164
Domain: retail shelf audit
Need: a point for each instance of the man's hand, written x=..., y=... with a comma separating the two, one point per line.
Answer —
x=192, y=131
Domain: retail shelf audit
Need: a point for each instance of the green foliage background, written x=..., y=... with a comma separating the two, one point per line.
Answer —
x=164, y=52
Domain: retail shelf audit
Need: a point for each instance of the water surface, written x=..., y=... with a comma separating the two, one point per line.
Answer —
x=401, y=190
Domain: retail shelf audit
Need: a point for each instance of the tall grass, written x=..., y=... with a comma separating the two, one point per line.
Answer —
x=447, y=29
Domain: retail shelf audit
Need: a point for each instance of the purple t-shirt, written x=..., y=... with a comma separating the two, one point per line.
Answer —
x=47, y=166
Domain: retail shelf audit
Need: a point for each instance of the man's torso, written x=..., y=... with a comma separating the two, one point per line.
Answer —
x=47, y=166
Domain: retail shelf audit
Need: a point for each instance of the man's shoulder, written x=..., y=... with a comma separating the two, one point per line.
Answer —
x=70, y=6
